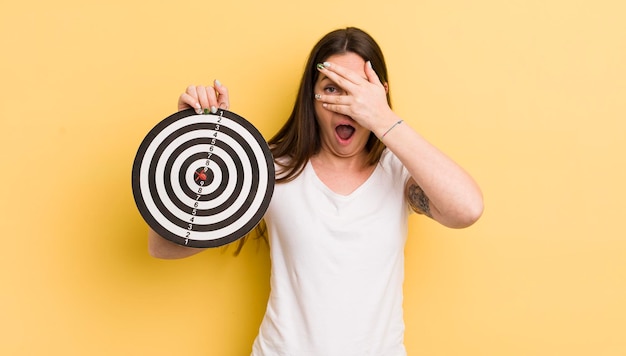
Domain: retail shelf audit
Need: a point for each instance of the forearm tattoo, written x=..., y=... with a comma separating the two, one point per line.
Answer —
x=418, y=200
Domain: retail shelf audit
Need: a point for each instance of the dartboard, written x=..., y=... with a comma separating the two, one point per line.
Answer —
x=203, y=180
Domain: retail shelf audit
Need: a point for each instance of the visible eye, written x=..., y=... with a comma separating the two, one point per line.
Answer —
x=330, y=89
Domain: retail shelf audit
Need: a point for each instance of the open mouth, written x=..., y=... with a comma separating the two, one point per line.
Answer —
x=344, y=131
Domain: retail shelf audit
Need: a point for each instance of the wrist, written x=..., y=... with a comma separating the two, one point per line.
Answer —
x=386, y=125
x=391, y=128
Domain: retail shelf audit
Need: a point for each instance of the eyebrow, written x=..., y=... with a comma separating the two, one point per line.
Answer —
x=323, y=78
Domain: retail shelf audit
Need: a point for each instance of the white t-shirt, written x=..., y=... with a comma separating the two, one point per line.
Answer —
x=337, y=267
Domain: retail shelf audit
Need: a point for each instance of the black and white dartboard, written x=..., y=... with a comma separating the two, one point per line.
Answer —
x=203, y=180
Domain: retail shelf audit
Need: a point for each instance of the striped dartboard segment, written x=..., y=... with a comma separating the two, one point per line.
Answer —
x=203, y=180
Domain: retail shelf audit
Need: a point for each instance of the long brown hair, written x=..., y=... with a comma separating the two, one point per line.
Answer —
x=299, y=138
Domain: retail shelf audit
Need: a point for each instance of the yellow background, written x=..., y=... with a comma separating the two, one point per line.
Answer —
x=529, y=96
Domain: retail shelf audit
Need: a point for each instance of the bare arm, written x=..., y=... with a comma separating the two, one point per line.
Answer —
x=161, y=248
x=418, y=200
x=439, y=188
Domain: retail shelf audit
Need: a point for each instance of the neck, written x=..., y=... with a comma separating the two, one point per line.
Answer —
x=342, y=175
x=356, y=162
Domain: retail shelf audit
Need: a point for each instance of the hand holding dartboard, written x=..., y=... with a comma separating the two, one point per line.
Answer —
x=203, y=180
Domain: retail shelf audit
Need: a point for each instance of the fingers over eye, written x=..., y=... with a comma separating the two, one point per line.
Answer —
x=338, y=108
x=335, y=99
x=340, y=75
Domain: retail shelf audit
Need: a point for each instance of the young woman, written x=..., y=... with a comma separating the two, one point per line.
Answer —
x=349, y=171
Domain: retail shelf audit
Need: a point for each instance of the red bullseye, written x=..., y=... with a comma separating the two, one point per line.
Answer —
x=202, y=176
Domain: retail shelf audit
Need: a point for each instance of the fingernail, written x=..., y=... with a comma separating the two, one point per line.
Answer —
x=206, y=111
x=218, y=83
x=213, y=109
x=369, y=64
x=323, y=65
x=318, y=96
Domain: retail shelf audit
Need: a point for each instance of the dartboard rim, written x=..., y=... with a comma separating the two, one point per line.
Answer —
x=148, y=216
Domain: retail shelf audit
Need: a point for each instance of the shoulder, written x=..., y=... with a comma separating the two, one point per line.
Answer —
x=387, y=157
x=392, y=165
x=285, y=168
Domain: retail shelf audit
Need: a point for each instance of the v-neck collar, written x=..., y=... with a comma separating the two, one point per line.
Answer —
x=310, y=171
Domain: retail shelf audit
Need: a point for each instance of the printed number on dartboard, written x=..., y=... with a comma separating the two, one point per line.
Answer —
x=207, y=163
